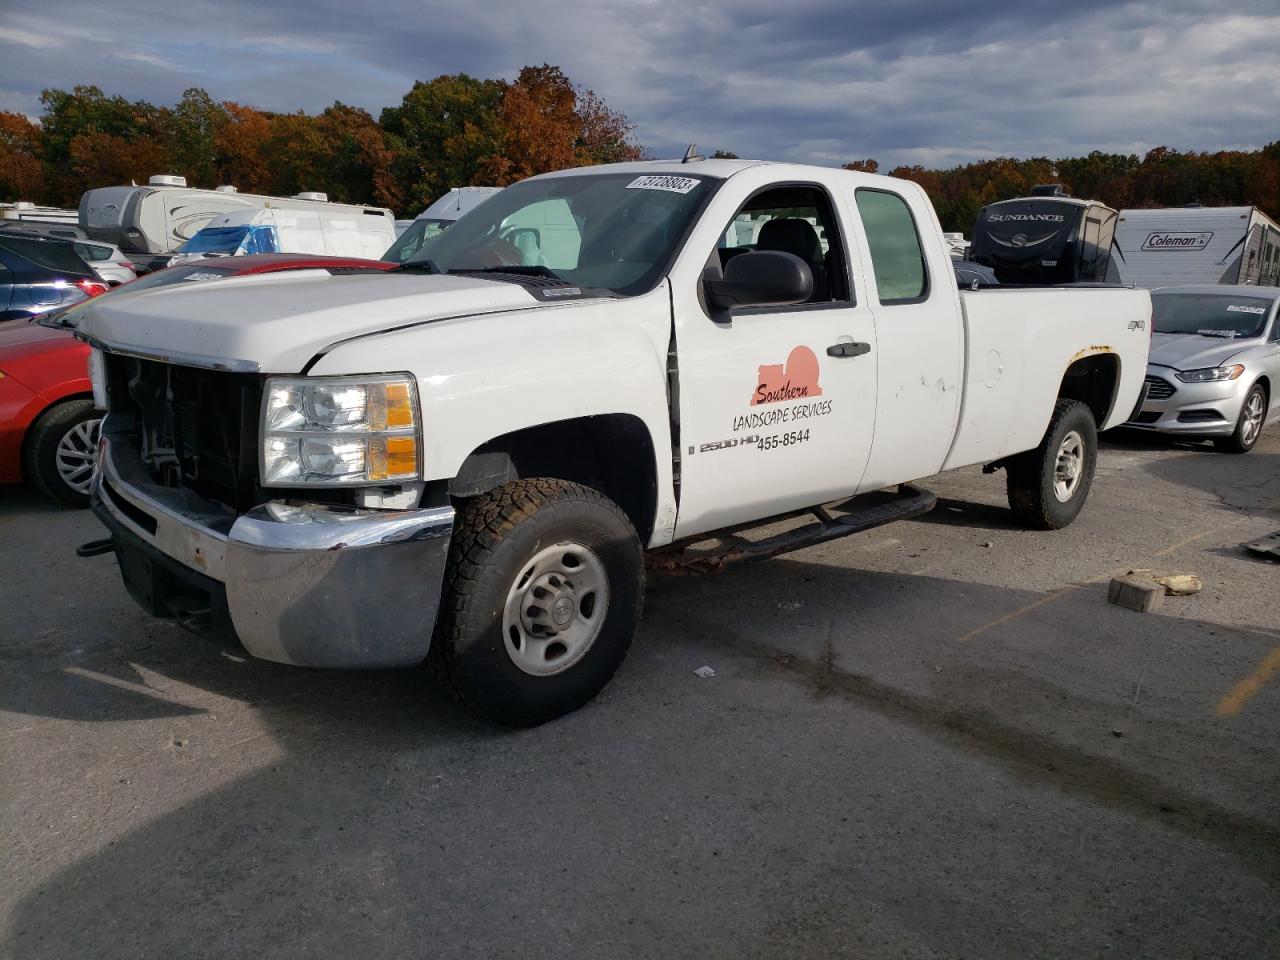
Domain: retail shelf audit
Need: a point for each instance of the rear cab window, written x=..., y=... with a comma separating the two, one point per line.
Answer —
x=897, y=255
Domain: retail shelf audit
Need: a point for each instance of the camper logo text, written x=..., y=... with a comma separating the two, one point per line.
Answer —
x=1177, y=241
x=1025, y=218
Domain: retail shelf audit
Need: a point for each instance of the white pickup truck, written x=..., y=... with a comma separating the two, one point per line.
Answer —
x=469, y=455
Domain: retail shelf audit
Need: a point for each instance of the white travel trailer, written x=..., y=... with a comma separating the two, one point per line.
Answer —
x=163, y=215
x=26, y=210
x=324, y=231
x=1181, y=245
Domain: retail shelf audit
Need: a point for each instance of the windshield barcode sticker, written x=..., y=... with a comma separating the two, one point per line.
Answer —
x=1240, y=308
x=670, y=184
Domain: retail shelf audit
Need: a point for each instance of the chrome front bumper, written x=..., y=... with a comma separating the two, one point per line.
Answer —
x=1193, y=409
x=308, y=584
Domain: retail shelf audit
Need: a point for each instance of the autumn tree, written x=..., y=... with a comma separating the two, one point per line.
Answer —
x=21, y=174
x=240, y=148
x=89, y=139
x=863, y=166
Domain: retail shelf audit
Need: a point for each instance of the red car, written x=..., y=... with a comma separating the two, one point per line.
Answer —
x=48, y=424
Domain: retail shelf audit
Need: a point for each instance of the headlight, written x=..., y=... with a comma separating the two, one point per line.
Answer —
x=1205, y=374
x=98, y=378
x=339, y=431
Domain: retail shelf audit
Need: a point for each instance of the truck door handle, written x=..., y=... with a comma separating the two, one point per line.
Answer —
x=848, y=348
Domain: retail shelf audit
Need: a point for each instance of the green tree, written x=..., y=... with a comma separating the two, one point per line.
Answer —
x=191, y=130
x=444, y=129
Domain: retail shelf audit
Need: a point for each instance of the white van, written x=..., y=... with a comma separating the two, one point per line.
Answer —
x=434, y=220
x=163, y=215
x=325, y=232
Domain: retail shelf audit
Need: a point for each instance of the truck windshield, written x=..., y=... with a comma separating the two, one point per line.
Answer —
x=414, y=236
x=608, y=232
x=257, y=238
x=1210, y=314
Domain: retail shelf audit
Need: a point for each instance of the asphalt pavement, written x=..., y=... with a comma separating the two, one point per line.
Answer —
x=935, y=739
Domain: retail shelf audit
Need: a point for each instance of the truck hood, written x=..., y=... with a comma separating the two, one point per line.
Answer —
x=276, y=322
x=1190, y=351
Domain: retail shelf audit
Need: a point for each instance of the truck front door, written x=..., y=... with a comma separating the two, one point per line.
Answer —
x=776, y=406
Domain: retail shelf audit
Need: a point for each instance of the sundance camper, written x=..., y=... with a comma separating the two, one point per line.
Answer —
x=1046, y=238
x=163, y=215
x=1181, y=245
x=324, y=231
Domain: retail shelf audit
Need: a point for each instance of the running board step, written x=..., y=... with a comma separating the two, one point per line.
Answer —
x=712, y=552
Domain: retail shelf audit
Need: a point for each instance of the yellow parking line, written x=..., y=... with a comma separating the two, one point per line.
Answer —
x=1182, y=543
x=1048, y=598
x=1247, y=689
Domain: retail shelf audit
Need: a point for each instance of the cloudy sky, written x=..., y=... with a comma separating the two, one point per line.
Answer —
x=934, y=82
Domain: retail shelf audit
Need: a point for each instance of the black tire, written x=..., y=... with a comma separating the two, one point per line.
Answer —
x=496, y=537
x=1236, y=443
x=40, y=452
x=1031, y=476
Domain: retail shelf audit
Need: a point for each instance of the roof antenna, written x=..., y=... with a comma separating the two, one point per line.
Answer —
x=692, y=154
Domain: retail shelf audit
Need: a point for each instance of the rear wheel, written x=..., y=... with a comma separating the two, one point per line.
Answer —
x=1048, y=486
x=61, y=449
x=542, y=598
x=1253, y=413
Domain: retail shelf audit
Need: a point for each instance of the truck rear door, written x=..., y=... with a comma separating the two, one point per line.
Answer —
x=910, y=284
x=776, y=406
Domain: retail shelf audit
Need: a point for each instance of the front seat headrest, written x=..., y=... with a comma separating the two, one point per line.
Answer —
x=790, y=235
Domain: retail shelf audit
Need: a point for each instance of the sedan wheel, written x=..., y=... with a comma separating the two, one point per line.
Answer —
x=76, y=453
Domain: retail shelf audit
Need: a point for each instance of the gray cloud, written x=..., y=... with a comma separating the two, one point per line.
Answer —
x=918, y=81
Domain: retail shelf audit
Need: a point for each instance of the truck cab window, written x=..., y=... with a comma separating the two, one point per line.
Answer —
x=896, y=254
x=797, y=220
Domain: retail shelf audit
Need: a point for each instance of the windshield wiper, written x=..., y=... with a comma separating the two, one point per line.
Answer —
x=426, y=265
x=521, y=270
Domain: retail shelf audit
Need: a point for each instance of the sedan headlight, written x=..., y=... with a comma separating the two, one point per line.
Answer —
x=98, y=378
x=340, y=431
x=1206, y=374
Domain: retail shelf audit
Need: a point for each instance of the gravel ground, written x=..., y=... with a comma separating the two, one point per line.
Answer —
x=936, y=739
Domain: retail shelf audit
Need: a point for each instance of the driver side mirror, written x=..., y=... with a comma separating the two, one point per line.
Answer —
x=761, y=278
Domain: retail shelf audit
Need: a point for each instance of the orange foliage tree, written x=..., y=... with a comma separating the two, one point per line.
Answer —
x=21, y=174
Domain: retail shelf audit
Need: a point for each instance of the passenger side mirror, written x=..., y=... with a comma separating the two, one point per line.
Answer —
x=761, y=278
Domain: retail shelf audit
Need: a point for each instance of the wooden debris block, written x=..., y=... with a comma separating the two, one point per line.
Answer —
x=1135, y=592
x=1179, y=584
x=1175, y=584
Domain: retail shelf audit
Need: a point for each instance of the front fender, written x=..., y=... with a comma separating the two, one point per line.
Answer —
x=482, y=377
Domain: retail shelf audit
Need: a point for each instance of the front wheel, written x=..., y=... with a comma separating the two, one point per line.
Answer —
x=541, y=600
x=1253, y=413
x=61, y=449
x=1048, y=485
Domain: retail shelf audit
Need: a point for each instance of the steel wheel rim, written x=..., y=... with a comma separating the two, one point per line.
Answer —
x=1068, y=467
x=76, y=455
x=1252, y=418
x=555, y=609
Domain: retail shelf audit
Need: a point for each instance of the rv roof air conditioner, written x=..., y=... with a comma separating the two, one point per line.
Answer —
x=225, y=188
x=1049, y=190
x=167, y=180
x=315, y=195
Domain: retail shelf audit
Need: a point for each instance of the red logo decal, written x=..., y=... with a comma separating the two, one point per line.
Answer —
x=797, y=378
